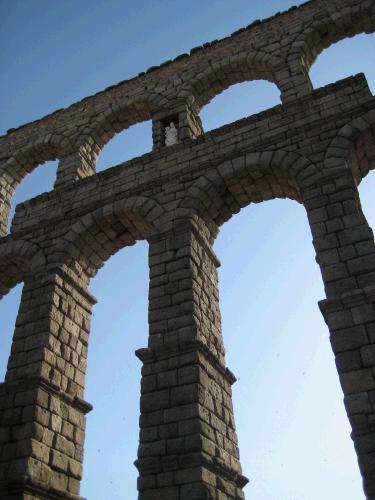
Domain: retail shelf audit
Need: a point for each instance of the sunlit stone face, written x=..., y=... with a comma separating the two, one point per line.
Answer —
x=171, y=134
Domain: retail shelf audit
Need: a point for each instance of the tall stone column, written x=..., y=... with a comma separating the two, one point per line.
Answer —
x=345, y=252
x=42, y=411
x=188, y=445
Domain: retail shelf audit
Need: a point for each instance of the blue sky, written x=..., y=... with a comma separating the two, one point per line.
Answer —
x=293, y=433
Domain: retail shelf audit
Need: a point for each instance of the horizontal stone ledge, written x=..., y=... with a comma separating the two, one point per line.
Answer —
x=352, y=298
x=13, y=488
x=41, y=383
x=188, y=226
x=150, y=355
x=80, y=289
x=50, y=275
x=189, y=461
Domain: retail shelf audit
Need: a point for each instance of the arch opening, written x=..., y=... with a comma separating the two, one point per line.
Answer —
x=332, y=63
x=239, y=101
x=119, y=327
x=277, y=344
x=20, y=182
x=366, y=195
x=218, y=75
x=95, y=237
x=39, y=181
x=126, y=145
x=8, y=311
x=330, y=29
x=16, y=261
x=113, y=377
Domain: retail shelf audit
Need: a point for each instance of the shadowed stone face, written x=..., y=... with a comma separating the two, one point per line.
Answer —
x=314, y=148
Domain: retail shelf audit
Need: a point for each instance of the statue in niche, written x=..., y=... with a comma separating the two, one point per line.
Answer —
x=171, y=134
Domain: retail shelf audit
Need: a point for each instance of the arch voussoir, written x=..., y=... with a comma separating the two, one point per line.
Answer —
x=216, y=76
x=17, y=259
x=336, y=25
x=120, y=115
x=344, y=150
x=96, y=236
x=249, y=178
x=22, y=162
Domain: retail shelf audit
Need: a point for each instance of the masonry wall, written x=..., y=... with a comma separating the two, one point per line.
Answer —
x=314, y=148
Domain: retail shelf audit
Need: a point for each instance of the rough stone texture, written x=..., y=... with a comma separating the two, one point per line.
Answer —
x=314, y=148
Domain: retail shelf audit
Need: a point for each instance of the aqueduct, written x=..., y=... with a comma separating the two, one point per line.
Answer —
x=314, y=148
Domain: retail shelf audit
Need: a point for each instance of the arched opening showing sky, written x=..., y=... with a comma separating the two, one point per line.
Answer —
x=287, y=401
x=341, y=60
x=243, y=99
x=130, y=143
x=346, y=58
x=293, y=433
x=119, y=327
x=39, y=181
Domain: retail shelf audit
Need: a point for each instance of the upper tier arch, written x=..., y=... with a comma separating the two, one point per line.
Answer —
x=205, y=84
x=119, y=116
x=331, y=26
x=255, y=53
x=22, y=162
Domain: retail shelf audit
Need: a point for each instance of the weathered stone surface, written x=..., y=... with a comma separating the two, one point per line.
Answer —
x=314, y=148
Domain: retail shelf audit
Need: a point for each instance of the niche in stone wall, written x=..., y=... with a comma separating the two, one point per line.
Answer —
x=238, y=101
x=346, y=58
x=130, y=143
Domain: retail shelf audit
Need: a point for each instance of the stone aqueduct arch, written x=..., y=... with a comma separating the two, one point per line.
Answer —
x=314, y=148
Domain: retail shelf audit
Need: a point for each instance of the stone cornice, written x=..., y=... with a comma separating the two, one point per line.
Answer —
x=42, y=383
x=150, y=355
x=349, y=299
x=22, y=487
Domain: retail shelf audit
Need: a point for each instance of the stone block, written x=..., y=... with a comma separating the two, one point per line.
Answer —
x=349, y=338
x=357, y=381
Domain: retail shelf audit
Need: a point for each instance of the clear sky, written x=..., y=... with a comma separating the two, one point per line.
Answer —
x=293, y=433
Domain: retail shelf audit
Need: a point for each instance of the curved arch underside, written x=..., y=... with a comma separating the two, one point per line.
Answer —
x=218, y=76
x=334, y=24
x=17, y=258
x=354, y=146
x=94, y=237
x=251, y=178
